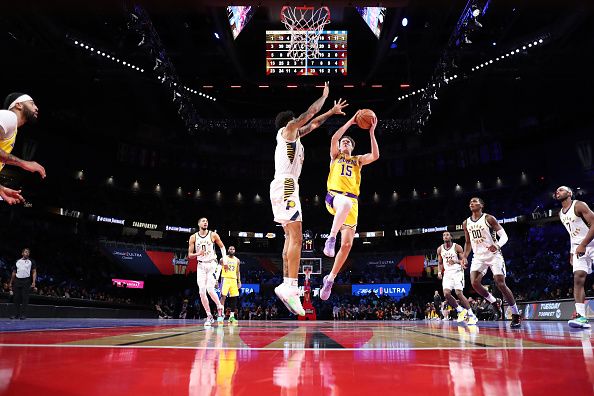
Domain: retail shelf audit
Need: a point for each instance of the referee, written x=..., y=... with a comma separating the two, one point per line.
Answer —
x=24, y=274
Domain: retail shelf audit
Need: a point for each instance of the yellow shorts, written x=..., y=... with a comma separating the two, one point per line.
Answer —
x=351, y=220
x=229, y=287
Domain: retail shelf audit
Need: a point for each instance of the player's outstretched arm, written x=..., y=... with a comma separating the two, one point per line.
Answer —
x=319, y=120
x=334, y=150
x=585, y=213
x=292, y=128
x=374, y=155
x=30, y=166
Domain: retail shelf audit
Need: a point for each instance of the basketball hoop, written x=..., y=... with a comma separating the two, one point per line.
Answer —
x=307, y=270
x=305, y=25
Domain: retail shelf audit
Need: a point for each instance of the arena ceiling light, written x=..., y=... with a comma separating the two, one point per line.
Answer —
x=160, y=78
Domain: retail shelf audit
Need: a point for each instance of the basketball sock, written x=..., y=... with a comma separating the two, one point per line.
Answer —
x=490, y=298
x=580, y=308
x=459, y=309
x=331, y=276
x=514, y=309
x=292, y=282
x=231, y=315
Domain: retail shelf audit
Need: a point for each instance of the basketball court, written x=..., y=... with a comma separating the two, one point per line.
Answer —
x=184, y=358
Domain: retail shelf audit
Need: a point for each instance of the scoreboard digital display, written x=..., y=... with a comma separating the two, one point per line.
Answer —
x=332, y=60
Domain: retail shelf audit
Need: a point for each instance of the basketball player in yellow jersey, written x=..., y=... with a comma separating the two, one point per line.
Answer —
x=20, y=110
x=231, y=281
x=344, y=181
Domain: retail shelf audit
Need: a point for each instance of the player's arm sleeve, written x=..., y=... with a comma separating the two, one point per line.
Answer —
x=502, y=237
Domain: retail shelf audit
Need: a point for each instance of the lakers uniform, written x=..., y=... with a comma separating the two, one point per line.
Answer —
x=344, y=179
x=453, y=274
x=578, y=229
x=8, y=132
x=230, y=277
x=481, y=237
x=207, y=263
x=284, y=189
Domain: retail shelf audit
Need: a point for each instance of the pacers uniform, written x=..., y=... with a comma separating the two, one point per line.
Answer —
x=577, y=229
x=207, y=263
x=453, y=274
x=8, y=132
x=230, y=278
x=481, y=237
x=284, y=189
x=345, y=179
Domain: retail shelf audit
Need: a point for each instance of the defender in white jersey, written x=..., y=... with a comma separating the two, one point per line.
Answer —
x=451, y=271
x=481, y=231
x=284, y=189
x=201, y=247
x=578, y=219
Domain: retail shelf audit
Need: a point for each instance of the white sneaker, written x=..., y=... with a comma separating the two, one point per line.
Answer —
x=209, y=321
x=290, y=297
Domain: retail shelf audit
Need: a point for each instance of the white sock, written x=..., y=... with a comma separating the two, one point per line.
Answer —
x=292, y=282
x=331, y=276
x=459, y=309
x=580, y=308
x=514, y=309
x=231, y=315
x=490, y=298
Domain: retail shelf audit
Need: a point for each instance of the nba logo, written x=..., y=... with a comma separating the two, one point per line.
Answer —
x=381, y=291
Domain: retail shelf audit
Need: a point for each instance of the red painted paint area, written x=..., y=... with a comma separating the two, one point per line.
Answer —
x=62, y=336
x=130, y=371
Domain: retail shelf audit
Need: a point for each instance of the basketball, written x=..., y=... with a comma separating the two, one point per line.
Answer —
x=365, y=118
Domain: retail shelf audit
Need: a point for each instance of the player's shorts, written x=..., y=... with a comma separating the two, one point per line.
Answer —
x=585, y=262
x=205, y=274
x=453, y=280
x=229, y=287
x=351, y=220
x=495, y=262
x=284, y=197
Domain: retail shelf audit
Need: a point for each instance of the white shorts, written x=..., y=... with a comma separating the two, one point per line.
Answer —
x=585, y=262
x=284, y=197
x=453, y=280
x=205, y=274
x=495, y=262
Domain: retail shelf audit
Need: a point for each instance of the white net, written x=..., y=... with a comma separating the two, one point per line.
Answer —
x=306, y=25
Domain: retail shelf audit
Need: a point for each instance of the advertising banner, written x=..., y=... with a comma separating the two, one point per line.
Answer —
x=129, y=284
x=551, y=310
x=396, y=290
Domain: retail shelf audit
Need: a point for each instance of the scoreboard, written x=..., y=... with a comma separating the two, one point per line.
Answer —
x=332, y=61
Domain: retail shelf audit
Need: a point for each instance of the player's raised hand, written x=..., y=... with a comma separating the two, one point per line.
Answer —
x=326, y=89
x=373, y=125
x=338, y=106
x=11, y=196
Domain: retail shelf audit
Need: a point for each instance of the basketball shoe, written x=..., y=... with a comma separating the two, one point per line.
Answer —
x=579, y=322
x=329, y=246
x=326, y=289
x=290, y=297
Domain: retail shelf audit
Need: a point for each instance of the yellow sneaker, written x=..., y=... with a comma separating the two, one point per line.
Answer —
x=462, y=316
x=472, y=320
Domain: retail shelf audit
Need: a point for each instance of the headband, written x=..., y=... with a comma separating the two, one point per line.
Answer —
x=20, y=99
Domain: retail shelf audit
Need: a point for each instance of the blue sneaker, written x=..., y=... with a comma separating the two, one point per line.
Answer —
x=326, y=288
x=579, y=322
x=329, y=246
